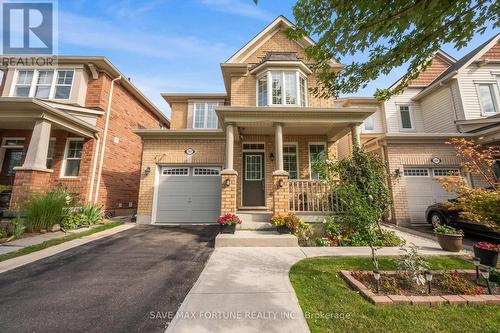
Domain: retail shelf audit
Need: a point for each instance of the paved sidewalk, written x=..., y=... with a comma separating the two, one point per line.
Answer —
x=247, y=290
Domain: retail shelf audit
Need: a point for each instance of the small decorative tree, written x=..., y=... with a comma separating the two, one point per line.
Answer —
x=359, y=184
x=481, y=205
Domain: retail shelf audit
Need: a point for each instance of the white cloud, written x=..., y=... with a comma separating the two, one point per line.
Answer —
x=245, y=8
x=98, y=34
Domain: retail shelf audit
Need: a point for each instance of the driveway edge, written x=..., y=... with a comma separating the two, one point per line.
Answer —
x=10, y=264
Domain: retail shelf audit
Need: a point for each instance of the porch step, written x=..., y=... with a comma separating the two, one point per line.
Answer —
x=256, y=226
x=245, y=238
x=254, y=216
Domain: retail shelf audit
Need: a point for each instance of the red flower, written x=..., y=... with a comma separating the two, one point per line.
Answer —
x=488, y=246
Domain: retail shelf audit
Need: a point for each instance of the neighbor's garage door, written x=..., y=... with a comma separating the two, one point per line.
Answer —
x=188, y=195
x=424, y=189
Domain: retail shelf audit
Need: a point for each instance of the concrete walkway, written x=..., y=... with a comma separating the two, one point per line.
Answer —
x=248, y=289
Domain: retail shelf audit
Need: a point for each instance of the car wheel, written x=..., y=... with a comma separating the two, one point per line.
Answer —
x=436, y=219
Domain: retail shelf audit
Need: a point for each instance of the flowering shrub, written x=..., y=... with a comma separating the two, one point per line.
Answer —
x=326, y=242
x=488, y=246
x=303, y=231
x=289, y=220
x=228, y=219
x=458, y=285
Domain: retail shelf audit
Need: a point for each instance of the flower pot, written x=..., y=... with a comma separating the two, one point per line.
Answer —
x=227, y=228
x=487, y=257
x=451, y=243
x=282, y=229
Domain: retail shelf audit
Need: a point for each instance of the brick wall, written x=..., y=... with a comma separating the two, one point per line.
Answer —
x=228, y=193
x=27, y=183
x=280, y=194
x=179, y=113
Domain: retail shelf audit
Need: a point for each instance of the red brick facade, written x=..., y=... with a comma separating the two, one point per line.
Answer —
x=27, y=183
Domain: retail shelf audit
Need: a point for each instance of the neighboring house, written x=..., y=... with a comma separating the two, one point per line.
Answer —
x=251, y=147
x=71, y=126
x=450, y=99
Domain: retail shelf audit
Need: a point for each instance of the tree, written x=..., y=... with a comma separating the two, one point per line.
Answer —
x=359, y=184
x=392, y=33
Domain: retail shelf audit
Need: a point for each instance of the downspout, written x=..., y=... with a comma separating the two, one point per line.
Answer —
x=94, y=166
x=105, y=136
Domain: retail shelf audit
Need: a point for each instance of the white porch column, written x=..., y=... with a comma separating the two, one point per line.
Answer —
x=355, y=134
x=229, y=147
x=36, y=156
x=279, y=146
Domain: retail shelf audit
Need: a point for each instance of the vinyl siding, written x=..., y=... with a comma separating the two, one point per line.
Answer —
x=392, y=111
x=467, y=79
x=378, y=123
x=438, y=111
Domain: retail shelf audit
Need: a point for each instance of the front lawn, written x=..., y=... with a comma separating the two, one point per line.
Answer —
x=322, y=293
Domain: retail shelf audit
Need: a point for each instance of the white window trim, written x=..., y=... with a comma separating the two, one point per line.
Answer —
x=36, y=73
x=253, y=143
x=496, y=97
x=309, y=153
x=262, y=161
x=410, y=111
x=296, y=145
x=174, y=167
x=364, y=124
x=205, y=117
x=63, y=164
x=268, y=74
x=218, y=169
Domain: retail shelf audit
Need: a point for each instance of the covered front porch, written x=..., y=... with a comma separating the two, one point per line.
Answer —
x=41, y=146
x=270, y=152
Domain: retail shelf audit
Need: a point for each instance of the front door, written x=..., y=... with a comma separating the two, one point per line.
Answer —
x=253, y=180
x=12, y=159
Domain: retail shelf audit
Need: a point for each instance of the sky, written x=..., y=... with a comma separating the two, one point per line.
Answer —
x=178, y=45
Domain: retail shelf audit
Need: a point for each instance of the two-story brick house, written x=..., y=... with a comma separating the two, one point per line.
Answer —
x=71, y=126
x=449, y=99
x=251, y=147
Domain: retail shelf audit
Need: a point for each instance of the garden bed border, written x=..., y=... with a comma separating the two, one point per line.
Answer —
x=431, y=300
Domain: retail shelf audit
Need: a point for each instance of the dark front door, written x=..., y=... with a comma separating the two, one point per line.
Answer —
x=12, y=159
x=253, y=180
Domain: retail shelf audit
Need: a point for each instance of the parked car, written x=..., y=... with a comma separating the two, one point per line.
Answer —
x=440, y=213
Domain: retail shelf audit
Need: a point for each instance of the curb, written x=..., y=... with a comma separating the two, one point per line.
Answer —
x=10, y=264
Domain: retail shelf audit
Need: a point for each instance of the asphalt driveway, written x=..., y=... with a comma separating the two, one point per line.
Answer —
x=129, y=282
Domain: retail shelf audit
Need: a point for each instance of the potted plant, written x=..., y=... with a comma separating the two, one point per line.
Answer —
x=228, y=222
x=487, y=253
x=285, y=223
x=449, y=238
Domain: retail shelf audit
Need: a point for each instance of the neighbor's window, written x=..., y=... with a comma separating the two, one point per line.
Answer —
x=50, y=153
x=290, y=160
x=44, y=84
x=487, y=98
x=204, y=115
x=281, y=88
x=369, y=123
x=315, y=151
x=23, y=83
x=405, y=117
x=73, y=157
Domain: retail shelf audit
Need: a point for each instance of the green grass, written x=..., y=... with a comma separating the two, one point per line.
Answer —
x=320, y=289
x=52, y=242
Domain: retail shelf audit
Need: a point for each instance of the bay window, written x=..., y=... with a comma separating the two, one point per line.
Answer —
x=276, y=88
x=204, y=115
x=46, y=84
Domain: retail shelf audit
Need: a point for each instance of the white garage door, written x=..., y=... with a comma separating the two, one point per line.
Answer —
x=188, y=194
x=423, y=189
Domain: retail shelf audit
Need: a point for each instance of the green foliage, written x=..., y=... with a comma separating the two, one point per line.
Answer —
x=360, y=188
x=447, y=230
x=303, y=231
x=3, y=234
x=324, y=241
x=5, y=188
x=45, y=210
x=458, y=285
x=93, y=212
x=75, y=220
x=17, y=227
x=412, y=266
x=479, y=205
x=389, y=33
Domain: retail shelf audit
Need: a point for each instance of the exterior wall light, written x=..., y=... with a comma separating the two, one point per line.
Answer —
x=147, y=171
x=227, y=182
x=271, y=157
x=428, y=278
x=280, y=183
x=397, y=173
x=376, y=275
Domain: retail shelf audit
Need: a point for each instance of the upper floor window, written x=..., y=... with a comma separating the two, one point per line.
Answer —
x=46, y=84
x=487, y=98
x=369, y=123
x=405, y=117
x=281, y=88
x=204, y=115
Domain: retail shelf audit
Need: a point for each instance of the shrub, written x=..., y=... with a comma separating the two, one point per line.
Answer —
x=75, y=220
x=5, y=188
x=447, y=230
x=459, y=285
x=303, y=231
x=45, y=210
x=412, y=266
x=279, y=220
x=325, y=241
x=228, y=219
x=289, y=220
x=17, y=227
x=93, y=212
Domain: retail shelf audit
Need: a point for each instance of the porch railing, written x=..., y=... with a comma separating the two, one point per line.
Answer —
x=312, y=196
